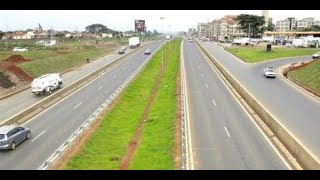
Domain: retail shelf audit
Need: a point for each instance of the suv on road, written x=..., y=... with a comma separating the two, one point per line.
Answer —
x=269, y=72
x=12, y=135
x=19, y=49
x=147, y=51
x=316, y=55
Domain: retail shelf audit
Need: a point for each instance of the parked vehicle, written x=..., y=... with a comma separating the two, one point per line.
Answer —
x=12, y=135
x=19, y=49
x=46, y=83
x=316, y=55
x=134, y=42
x=269, y=72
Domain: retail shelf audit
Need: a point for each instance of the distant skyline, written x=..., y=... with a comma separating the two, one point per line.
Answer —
x=123, y=20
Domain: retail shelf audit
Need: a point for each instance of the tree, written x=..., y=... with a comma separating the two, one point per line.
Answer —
x=255, y=23
x=1, y=34
x=60, y=34
x=271, y=27
x=155, y=32
x=97, y=29
x=312, y=28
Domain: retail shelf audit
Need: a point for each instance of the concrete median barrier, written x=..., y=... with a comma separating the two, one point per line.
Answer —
x=305, y=158
x=45, y=103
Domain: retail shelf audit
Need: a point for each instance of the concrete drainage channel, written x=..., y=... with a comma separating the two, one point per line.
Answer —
x=293, y=150
x=35, y=109
x=60, y=153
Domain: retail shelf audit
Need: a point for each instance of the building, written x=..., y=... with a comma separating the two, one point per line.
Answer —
x=309, y=21
x=291, y=24
x=203, y=29
x=226, y=28
x=286, y=25
x=265, y=13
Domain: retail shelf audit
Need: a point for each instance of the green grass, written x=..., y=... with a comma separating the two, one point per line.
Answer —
x=256, y=54
x=156, y=149
x=62, y=62
x=308, y=75
x=109, y=142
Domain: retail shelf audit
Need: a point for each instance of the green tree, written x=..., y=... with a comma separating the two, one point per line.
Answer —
x=312, y=28
x=271, y=27
x=252, y=22
x=97, y=29
x=1, y=34
x=60, y=34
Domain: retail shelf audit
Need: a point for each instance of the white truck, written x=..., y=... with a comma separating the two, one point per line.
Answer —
x=134, y=42
x=45, y=84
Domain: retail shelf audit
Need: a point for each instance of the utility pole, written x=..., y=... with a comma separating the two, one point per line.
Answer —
x=161, y=18
x=249, y=31
x=169, y=35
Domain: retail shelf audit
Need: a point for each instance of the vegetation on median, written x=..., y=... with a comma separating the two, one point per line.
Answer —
x=157, y=145
x=308, y=75
x=256, y=54
x=107, y=146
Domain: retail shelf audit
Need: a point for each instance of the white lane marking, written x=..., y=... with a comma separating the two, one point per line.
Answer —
x=198, y=67
x=206, y=85
x=77, y=105
x=38, y=135
x=100, y=88
x=214, y=102
x=114, y=76
x=201, y=74
x=189, y=153
x=250, y=117
x=225, y=128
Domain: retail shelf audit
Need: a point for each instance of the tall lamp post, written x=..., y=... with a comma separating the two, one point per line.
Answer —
x=161, y=18
x=169, y=35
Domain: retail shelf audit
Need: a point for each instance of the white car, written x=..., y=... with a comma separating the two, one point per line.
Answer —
x=316, y=55
x=226, y=45
x=269, y=72
x=19, y=49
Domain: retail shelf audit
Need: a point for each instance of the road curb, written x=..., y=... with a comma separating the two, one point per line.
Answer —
x=305, y=158
x=281, y=70
x=64, y=91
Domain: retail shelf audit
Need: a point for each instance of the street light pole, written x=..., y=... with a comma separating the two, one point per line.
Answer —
x=169, y=35
x=249, y=31
x=161, y=18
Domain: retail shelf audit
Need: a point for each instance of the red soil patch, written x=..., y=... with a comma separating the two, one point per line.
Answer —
x=9, y=64
x=18, y=72
x=16, y=59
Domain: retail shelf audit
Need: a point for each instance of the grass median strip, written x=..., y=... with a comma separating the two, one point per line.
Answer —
x=157, y=145
x=108, y=144
x=308, y=75
x=257, y=54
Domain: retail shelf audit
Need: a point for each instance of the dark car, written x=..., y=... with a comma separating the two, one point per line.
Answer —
x=12, y=135
x=147, y=51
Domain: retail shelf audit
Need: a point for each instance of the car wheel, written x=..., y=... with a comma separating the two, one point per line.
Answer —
x=13, y=145
x=49, y=91
x=28, y=135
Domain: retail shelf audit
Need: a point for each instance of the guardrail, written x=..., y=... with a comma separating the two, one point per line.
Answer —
x=303, y=156
x=60, y=153
x=35, y=109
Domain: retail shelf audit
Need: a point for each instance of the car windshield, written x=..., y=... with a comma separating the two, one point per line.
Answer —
x=1, y=136
x=270, y=70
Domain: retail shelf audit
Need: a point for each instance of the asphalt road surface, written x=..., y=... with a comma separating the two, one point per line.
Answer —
x=24, y=99
x=223, y=135
x=55, y=125
x=296, y=110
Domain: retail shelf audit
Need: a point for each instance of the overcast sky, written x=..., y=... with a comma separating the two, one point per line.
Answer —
x=123, y=20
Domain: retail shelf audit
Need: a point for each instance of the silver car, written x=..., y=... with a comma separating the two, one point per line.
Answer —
x=12, y=135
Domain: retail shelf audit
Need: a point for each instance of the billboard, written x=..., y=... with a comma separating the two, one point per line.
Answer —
x=139, y=25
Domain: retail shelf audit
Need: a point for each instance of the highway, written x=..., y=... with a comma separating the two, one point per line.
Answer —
x=54, y=126
x=296, y=110
x=24, y=99
x=223, y=134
